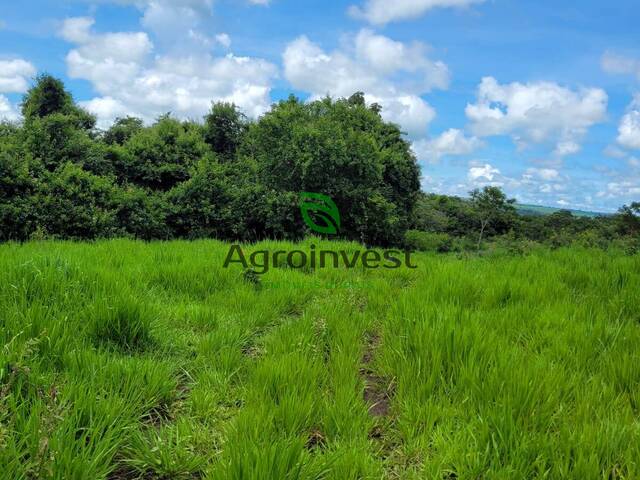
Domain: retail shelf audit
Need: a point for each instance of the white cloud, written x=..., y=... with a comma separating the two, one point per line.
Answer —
x=620, y=64
x=170, y=19
x=131, y=81
x=7, y=110
x=541, y=112
x=369, y=63
x=14, y=78
x=224, y=40
x=109, y=61
x=107, y=109
x=451, y=142
x=14, y=75
x=485, y=172
x=380, y=12
x=177, y=24
x=621, y=189
x=629, y=129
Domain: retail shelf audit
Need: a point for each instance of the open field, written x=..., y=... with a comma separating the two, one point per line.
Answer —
x=126, y=360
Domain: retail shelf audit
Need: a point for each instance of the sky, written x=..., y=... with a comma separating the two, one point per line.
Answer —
x=538, y=97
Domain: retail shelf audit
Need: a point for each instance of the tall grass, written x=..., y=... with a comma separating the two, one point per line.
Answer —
x=125, y=360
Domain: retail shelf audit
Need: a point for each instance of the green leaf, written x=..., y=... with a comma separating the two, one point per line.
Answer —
x=323, y=208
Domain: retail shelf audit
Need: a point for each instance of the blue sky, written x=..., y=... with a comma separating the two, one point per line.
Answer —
x=540, y=98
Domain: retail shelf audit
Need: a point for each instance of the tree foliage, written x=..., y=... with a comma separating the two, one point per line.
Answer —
x=232, y=178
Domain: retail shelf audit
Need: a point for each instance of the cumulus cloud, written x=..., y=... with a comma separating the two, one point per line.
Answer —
x=541, y=112
x=8, y=111
x=547, y=174
x=451, y=142
x=171, y=20
x=483, y=174
x=380, y=12
x=14, y=78
x=629, y=129
x=178, y=24
x=14, y=75
x=370, y=63
x=132, y=81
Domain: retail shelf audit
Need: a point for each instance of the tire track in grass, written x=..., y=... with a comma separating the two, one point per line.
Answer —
x=378, y=390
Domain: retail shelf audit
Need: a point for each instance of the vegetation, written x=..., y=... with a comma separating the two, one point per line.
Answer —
x=488, y=218
x=126, y=360
x=226, y=178
x=233, y=179
x=513, y=356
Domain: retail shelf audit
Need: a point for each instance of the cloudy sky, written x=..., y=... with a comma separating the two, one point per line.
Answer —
x=538, y=96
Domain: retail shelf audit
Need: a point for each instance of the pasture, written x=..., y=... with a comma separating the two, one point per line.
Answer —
x=124, y=360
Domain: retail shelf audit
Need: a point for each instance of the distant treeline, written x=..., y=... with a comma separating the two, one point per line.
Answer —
x=443, y=223
x=235, y=179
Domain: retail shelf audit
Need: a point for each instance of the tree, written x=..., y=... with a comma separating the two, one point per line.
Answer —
x=76, y=204
x=17, y=185
x=495, y=212
x=628, y=219
x=56, y=130
x=56, y=139
x=199, y=207
x=224, y=129
x=346, y=151
x=141, y=214
x=47, y=97
x=161, y=156
x=122, y=130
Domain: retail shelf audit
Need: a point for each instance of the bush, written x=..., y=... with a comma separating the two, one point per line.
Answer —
x=592, y=239
x=75, y=204
x=428, y=242
x=629, y=245
x=514, y=246
x=17, y=185
x=141, y=214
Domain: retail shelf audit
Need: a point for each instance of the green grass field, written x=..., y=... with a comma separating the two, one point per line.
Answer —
x=126, y=360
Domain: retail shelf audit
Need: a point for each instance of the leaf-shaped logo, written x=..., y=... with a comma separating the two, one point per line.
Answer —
x=323, y=208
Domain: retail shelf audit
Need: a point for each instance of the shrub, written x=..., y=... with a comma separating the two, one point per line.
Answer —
x=76, y=204
x=428, y=242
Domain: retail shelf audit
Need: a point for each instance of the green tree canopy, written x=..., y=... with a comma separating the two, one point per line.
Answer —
x=224, y=129
x=48, y=96
x=345, y=150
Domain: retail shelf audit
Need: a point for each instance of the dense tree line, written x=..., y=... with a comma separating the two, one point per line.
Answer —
x=235, y=179
x=226, y=177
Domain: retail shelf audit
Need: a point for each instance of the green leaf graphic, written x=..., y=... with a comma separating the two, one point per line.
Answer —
x=324, y=208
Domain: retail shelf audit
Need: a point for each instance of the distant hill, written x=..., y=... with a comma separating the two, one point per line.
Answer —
x=535, y=210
